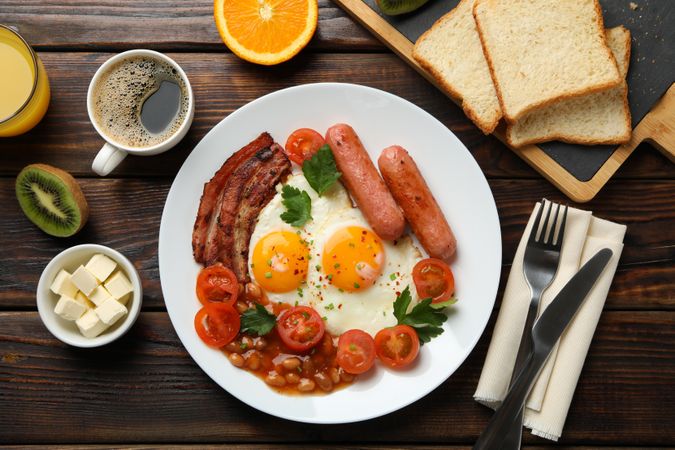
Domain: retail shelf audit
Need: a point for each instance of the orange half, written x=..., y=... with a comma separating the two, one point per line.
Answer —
x=266, y=31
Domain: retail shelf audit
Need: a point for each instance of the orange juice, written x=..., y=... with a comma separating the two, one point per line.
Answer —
x=24, y=87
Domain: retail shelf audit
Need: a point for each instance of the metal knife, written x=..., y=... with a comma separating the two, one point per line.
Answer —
x=545, y=333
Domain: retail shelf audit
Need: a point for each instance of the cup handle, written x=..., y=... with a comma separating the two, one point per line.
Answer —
x=107, y=159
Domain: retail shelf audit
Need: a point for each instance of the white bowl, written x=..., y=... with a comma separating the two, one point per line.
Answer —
x=67, y=331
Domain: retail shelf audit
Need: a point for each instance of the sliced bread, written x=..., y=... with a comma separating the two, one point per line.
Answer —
x=597, y=118
x=541, y=51
x=451, y=51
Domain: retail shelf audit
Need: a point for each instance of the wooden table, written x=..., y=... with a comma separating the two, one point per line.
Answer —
x=145, y=388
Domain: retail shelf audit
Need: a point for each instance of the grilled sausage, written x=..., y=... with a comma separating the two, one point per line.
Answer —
x=419, y=206
x=365, y=185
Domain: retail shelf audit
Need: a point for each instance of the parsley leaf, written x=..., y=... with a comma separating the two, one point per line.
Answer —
x=321, y=171
x=401, y=304
x=298, y=206
x=257, y=320
x=424, y=318
x=423, y=314
x=427, y=333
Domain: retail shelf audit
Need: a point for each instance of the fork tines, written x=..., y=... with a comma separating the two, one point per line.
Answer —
x=551, y=232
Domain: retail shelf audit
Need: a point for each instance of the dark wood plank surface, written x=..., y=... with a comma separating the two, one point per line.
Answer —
x=222, y=83
x=146, y=390
x=645, y=279
x=157, y=24
x=277, y=446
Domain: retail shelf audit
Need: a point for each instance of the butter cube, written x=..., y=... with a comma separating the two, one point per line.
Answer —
x=80, y=297
x=124, y=300
x=110, y=311
x=90, y=325
x=99, y=295
x=62, y=284
x=118, y=285
x=69, y=308
x=84, y=280
x=101, y=266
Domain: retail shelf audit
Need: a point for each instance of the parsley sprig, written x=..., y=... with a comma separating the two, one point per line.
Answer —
x=424, y=318
x=257, y=320
x=298, y=206
x=321, y=171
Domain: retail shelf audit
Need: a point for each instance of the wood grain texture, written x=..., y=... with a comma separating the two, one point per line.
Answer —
x=158, y=25
x=145, y=388
x=125, y=214
x=659, y=126
x=277, y=446
x=223, y=83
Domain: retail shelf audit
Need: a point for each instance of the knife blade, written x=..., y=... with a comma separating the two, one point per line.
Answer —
x=545, y=333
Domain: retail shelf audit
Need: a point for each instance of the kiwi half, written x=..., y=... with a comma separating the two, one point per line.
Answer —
x=51, y=199
x=396, y=7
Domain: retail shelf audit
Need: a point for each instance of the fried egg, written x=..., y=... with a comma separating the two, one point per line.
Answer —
x=335, y=263
x=279, y=254
x=358, y=275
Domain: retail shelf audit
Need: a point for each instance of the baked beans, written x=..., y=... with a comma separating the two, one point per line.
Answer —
x=323, y=381
x=292, y=378
x=236, y=359
x=240, y=306
x=253, y=360
x=274, y=379
x=306, y=385
x=291, y=363
x=283, y=369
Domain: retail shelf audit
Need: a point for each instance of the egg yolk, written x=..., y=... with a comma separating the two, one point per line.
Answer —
x=279, y=261
x=353, y=258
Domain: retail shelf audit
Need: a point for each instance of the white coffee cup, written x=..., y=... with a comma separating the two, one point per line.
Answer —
x=112, y=153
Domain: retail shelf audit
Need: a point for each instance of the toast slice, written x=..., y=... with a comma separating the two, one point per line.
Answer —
x=542, y=51
x=597, y=118
x=451, y=51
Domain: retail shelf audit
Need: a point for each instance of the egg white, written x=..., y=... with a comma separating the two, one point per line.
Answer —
x=371, y=309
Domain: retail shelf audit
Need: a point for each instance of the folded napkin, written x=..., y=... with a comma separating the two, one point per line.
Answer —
x=549, y=401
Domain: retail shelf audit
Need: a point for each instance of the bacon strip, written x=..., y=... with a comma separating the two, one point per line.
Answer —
x=210, y=203
x=258, y=193
x=232, y=201
x=220, y=243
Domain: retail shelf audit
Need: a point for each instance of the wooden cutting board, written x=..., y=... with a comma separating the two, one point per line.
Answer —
x=578, y=171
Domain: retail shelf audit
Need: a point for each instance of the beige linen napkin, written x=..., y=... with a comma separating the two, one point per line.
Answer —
x=549, y=401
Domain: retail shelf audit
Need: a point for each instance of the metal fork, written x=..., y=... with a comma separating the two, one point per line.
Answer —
x=540, y=264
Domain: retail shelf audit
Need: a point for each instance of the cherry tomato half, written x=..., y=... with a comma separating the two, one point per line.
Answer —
x=397, y=346
x=217, y=284
x=433, y=279
x=302, y=144
x=300, y=328
x=217, y=324
x=356, y=351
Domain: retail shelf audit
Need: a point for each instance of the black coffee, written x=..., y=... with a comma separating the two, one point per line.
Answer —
x=140, y=101
x=161, y=107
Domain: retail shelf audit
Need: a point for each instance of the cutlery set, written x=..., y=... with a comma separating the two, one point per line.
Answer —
x=540, y=264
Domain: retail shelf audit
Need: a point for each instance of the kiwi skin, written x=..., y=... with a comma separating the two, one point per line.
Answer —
x=67, y=191
x=397, y=7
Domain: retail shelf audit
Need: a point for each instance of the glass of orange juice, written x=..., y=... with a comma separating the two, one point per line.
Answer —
x=24, y=86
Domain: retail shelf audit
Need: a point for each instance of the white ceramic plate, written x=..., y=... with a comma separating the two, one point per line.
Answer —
x=381, y=119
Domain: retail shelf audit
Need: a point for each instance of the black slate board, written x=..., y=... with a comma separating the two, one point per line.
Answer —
x=651, y=72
